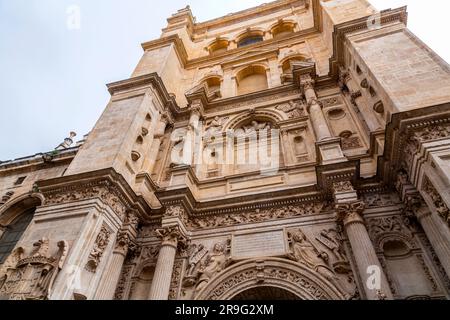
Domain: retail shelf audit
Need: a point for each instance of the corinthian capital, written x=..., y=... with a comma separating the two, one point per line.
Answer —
x=171, y=236
x=124, y=242
x=350, y=213
x=132, y=219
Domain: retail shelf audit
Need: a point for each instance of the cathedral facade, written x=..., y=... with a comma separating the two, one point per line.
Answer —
x=295, y=150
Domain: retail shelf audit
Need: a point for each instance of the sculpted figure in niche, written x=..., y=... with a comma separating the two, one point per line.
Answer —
x=212, y=266
x=255, y=126
x=307, y=254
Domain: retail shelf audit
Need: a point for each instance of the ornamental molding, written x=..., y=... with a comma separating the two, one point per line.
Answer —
x=391, y=228
x=280, y=273
x=106, y=185
x=442, y=209
x=406, y=134
x=258, y=215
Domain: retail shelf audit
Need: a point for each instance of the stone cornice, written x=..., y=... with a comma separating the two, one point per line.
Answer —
x=64, y=189
x=400, y=129
x=174, y=40
x=37, y=160
x=149, y=80
x=185, y=198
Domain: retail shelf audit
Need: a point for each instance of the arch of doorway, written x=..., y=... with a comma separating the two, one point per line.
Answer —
x=290, y=276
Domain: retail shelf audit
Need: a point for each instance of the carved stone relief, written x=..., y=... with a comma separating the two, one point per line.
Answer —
x=105, y=192
x=176, y=280
x=31, y=277
x=203, y=265
x=440, y=205
x=293, y=109
x=304, y=251
x=100, y=245
x=6, y=197
x=258, y=216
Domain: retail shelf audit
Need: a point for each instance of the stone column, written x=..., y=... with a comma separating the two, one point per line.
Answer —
x=363, y=250
x=160, y=289
x=439, y=238
x=315, y=109
x=2, y=230
x=110, y=278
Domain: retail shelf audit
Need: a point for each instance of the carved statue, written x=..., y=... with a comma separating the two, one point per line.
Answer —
x=213, y=265
x=304, y=252
x=67, y=142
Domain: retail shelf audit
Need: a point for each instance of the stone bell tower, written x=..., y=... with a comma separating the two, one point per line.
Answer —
x=341, y=117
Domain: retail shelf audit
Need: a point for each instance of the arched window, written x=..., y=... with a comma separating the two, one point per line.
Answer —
x=250, y=40
x=13, y=233
x=282, y=29
x=218, y=46
x=251, y=79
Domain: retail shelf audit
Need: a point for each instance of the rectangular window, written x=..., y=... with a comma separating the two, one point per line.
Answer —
x=19, y=181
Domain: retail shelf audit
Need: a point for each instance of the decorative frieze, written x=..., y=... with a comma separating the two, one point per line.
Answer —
x=176, y=280
x=103, y=190
x=439, y=203
x=259, y=215
x=123, y=281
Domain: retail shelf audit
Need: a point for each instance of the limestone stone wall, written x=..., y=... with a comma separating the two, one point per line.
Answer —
x=402, y=68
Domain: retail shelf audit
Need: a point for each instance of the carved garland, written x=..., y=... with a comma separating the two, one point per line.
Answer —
x=258, y=215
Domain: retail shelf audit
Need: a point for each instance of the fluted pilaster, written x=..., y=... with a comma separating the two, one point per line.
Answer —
x=171, y=237
x=317, y=117
x=124, y=242
x=439, y=239
x=363, y=250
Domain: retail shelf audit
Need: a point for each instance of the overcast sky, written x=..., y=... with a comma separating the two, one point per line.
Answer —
x=53, y=75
